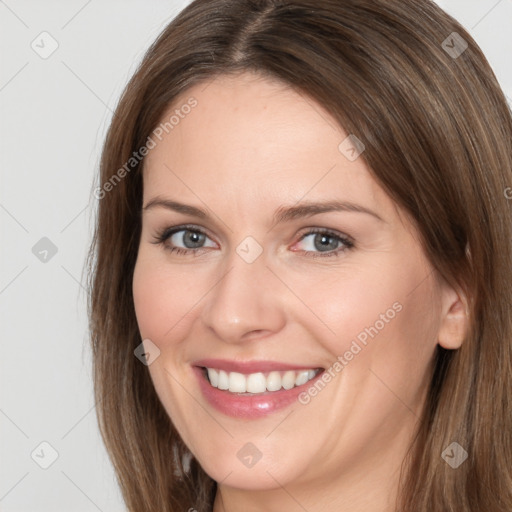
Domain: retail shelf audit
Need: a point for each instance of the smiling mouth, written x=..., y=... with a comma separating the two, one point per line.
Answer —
x=260, y=382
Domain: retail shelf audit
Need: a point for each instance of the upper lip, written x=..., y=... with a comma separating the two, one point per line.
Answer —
x=247, y=367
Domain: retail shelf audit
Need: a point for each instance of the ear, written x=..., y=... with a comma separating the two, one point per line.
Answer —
x=454, y=322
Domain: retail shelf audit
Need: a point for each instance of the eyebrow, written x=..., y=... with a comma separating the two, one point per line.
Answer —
x=282, y=214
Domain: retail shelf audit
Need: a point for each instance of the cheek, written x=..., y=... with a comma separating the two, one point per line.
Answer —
x=353, y=306
x=162, y=299
x=375, y=315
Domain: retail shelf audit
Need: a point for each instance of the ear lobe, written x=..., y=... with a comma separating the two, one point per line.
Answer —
x=454, y=322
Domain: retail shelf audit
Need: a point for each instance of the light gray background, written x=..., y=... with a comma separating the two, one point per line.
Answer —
x=54, y=113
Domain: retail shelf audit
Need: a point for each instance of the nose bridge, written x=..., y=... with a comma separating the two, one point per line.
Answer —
x=245, y=298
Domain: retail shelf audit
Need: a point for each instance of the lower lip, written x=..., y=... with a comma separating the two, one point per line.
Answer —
x=247, y=406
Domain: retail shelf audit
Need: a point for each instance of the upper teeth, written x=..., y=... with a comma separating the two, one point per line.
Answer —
x=258, y=382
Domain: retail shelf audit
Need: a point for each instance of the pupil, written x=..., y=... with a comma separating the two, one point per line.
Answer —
x=195, y=238
x=324, y=242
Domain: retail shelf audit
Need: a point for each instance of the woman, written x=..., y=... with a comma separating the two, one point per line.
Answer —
x=301, y=271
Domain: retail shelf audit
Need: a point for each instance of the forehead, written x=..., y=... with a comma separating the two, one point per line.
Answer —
x=254, y=136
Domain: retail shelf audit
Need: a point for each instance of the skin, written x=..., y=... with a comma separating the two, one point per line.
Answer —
x=250, y=146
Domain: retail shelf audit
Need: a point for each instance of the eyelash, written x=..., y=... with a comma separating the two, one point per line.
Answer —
x=162, y=236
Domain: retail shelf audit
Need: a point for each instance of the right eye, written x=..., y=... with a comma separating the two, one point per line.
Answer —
x=190, y=236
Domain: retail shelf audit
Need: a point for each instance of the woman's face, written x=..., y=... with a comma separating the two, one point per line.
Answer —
x=277, y=289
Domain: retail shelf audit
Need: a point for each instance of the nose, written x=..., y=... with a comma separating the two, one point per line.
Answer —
x=246, y=303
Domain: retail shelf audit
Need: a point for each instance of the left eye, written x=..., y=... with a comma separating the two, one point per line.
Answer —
x=325, y=242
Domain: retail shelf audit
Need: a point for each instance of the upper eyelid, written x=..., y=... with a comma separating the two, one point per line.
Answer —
x=176, y=229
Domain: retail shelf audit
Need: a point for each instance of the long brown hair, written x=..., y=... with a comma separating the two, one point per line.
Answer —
x=437, y=132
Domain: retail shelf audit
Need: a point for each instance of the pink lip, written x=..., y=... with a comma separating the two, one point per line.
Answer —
x=247, y=367
x=247, y=406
